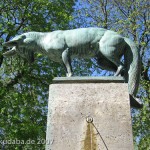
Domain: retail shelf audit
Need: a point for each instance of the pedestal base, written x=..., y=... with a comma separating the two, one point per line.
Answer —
x=89, y=115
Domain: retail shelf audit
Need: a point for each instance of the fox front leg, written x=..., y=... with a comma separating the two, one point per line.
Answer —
x=67, y=62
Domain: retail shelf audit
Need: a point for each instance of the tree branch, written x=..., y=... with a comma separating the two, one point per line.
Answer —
x=1, y=60
x=144, y=71
x=123, y=12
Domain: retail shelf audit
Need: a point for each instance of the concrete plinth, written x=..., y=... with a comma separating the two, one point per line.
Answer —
x=88, y=114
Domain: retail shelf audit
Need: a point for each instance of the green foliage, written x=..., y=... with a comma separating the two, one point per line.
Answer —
x=141, y=123
x=24, y=86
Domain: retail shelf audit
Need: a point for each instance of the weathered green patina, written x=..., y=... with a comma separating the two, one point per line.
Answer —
x=61, y=46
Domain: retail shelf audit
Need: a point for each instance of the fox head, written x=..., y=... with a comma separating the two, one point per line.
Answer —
x=24, y=40
x=21, y=45
x=18, y=40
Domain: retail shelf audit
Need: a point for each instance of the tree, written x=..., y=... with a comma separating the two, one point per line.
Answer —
x=24, y=86
x=130, y=18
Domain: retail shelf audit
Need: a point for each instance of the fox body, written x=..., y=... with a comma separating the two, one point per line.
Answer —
x=61, y=46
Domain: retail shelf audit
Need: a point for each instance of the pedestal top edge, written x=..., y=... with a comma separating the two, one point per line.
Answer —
x=86, y=79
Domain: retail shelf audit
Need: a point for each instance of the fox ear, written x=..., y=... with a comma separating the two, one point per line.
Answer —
x=10, y=53
x=28, y=41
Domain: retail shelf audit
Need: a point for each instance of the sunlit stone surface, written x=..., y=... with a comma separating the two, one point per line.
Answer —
x=89, y=115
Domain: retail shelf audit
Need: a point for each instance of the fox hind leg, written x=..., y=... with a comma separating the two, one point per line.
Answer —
x=115, y=60
x=105, y=64
x=112, y=47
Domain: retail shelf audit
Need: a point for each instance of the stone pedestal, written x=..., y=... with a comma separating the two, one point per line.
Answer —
x=89, y=114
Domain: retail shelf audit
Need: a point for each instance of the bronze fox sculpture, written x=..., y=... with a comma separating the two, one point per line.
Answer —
x=61, y=46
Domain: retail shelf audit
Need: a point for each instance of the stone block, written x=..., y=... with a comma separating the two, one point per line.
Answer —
x=89, y=115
